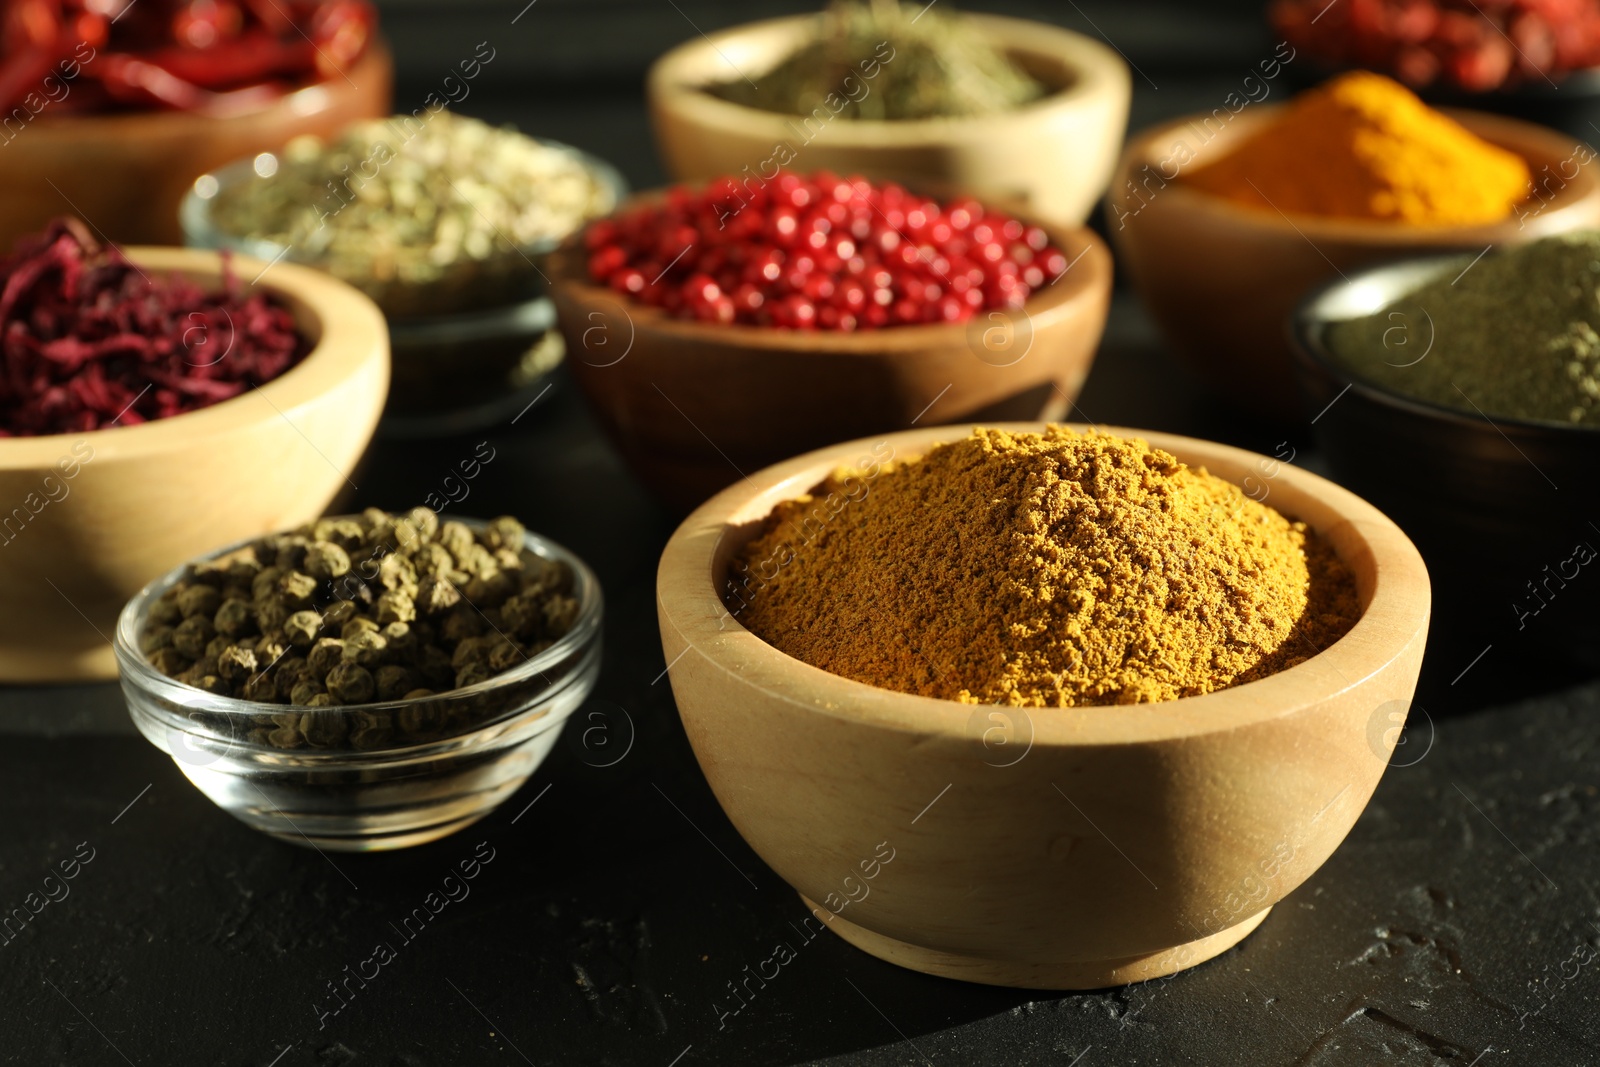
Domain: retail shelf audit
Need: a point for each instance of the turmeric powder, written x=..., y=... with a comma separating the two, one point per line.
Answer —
x=1048, y=570
x=1364, y=147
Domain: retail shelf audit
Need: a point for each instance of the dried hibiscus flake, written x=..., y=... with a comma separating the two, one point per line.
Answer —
x=89, y=341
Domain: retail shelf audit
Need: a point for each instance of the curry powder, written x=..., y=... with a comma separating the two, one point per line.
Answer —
x=1048, y=570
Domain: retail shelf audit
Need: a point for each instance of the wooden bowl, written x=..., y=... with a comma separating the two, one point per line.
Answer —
x=126, y=174
x=692, y=406
x=1222, y=279
x=1054, y=848
x=87, y=519
x=1055, y=155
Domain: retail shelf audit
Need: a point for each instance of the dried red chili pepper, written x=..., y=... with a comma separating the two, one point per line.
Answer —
x=1475, y=45
x=88, y=341
x=211, y=56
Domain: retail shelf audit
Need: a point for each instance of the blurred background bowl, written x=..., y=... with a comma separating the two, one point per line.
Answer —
x=1221, y=279
x=1054, y=155
x=126, y=174
x=1495, y=504
x=468, y=350
x=692, y=406
x=464, y=752
x=1077, y=847
x=147, y=497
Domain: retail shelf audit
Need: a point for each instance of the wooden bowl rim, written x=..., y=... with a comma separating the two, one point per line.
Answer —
x=1395, y=618
x=671, y=85
x=305, y=101
x=1514, y=135
x=567, y=273
x=349, y=327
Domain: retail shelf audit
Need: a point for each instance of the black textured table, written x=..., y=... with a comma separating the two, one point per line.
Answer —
x=614, y=907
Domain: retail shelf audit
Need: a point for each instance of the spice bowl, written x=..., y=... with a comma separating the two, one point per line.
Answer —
x=1063, y=848
x=127, y=173
x=87, y=519
x=368, y=777
x=469, y=350
x=1054, y=155
x=692, y=405
x=1222, y=279
x=1496, y=504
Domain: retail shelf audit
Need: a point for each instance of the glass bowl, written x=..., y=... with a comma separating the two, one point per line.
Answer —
x=509, y=276
x=367, y=777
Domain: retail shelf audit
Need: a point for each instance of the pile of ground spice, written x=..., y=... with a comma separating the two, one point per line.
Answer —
x=1517, y=335
x=1363, y=146
x=1047, y=570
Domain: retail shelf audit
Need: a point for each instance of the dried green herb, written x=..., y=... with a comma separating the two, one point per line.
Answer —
x=885, y=60
x=1515, y=335
x=325, y=617
x=397, y=204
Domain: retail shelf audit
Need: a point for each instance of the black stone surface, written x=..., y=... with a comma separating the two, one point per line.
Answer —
x=1458, y=925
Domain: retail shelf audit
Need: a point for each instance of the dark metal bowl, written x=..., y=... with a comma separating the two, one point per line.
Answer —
x=1498, y=506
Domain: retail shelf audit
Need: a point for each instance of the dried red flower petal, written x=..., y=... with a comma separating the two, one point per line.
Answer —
x=89, y=341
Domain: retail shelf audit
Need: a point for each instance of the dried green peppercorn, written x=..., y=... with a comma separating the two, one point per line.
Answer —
x=170, y=661
x=297, y=589
x=235, y=618
x=236, y=664
x=393, y=682
x=326, y=560
x=304, y=690
x=260, y=624
x=192, y=635
x=199, y=600
x=302, y=628
x=367, y=647
x=395, y=606
x=351, y=683
x=325, y=655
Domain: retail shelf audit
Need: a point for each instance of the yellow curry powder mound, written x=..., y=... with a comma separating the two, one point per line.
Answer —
x=1363, y=146
x=1046, y=570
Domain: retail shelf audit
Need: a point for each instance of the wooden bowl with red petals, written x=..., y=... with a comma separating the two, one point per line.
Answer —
x=87, y=519
x=693, y=406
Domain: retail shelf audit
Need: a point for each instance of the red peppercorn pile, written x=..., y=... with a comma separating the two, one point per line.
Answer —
x=87, y=341
x=1474, y=45
x=820, y=252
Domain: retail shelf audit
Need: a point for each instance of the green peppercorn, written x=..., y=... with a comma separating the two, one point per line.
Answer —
x=397, y=573
x=325, y=655
x=321, y=700
x=191, y=636
x=395, y=606
x=260, y=688
x=368, y=648
x=432, y=561
x=297, y=589
x=302, y=628
x=358, y=625
x=504, y=656
x=155, y=639
x=235, y=617
x=393, y=682
x=504, y=532
x=403, y=643
x=236, y=664
x=199, y=600
x=472, y=674
x=303, y=690
x=323, y=729
x=351, y=683
x=165, y=611
x=436, y=595
x=326, y=561
x=462, y=622
x=170, y=661
x=338, y=613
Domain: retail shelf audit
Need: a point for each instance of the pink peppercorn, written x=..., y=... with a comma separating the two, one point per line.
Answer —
x=820, y=252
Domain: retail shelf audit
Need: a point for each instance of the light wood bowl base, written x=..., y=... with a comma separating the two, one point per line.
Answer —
x=1068, y=974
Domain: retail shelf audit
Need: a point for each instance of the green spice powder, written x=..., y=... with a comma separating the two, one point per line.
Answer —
x=889, y=61
x=1516, y=336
